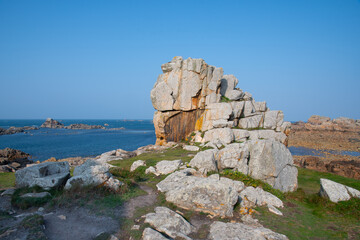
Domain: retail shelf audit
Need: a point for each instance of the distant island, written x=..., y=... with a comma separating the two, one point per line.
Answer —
x=52, y=123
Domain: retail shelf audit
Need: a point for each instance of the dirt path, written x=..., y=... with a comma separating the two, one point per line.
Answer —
x=82, y=224
x=130, y=207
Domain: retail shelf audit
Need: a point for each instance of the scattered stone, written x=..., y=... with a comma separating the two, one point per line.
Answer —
x=135, y=227
x=41, y=209
x=274, y=210
x=165, y=167
x=151, y=170
x=137, y=164
x=191, y=148
x=169, y=222
x=62, y=217
x=36, y=195
x=45, y=175
x=221, y=230
x=336, y=192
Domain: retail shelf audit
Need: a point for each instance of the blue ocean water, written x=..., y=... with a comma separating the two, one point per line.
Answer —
x=45, y=143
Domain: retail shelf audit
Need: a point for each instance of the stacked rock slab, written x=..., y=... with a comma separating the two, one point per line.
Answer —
x=192, y=96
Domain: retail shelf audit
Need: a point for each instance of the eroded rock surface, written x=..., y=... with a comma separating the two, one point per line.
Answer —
x=46, y=175
x=233, y=231
x=93, y=173
x=213, y=195
x=169, y=222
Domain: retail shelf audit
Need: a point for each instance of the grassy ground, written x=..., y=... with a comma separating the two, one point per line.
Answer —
x=7, y=180
x=308, y=216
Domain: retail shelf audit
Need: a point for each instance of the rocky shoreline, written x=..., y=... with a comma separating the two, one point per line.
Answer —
x=322, y=133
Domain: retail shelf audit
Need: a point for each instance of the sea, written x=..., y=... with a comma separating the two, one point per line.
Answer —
x=45, y=143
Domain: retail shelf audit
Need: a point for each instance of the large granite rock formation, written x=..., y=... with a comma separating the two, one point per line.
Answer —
x=194, y=97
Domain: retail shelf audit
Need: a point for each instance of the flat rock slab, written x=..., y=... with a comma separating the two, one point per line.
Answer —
x=236, y=231
x=336, y=192
x=79, y=224
x=36, y=195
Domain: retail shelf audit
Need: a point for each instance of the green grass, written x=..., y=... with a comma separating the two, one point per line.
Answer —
x=34, y=224
x=7, y=180
x=248, y=181
x=309, y=216
x=309, y=180
x=225, y=99
x=24, y=203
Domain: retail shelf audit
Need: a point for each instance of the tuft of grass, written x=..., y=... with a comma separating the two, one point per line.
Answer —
x=7, y=180
x=225, y=99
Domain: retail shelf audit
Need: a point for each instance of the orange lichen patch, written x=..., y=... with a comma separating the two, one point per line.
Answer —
x=199, y=122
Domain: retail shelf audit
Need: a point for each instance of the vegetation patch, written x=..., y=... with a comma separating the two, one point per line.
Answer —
x=309, y=216
x=24, y=203
x=7, y=180
x=34, y=224
x=249, y=181
x=225, y=99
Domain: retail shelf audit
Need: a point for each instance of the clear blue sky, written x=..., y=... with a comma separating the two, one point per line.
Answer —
x=100, y=59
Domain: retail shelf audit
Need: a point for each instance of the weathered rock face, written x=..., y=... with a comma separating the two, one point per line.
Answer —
x=189, y=96
x=45, y=175
x=272, y=162
x=51, y=123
